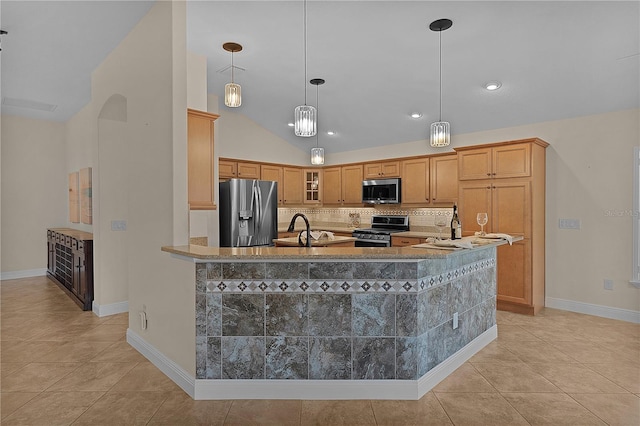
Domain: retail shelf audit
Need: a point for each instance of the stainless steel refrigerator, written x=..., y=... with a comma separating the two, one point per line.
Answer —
x=248, y=212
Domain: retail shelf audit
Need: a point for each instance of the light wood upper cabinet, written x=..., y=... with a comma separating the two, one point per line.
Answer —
x=312, y=186
x=496, y=162
x=332, y=186
x=430, y=180
x=444, y=179
x=248, y=170
x=352, y=184
x=200, y=160
x=229, y=169
x=342, y=185
x=292, y=186
x=382, y=170
x=507, y=204
x=273, y=173
x=415, y=181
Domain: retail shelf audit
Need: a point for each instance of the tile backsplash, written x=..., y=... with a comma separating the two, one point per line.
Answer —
x=355, y=217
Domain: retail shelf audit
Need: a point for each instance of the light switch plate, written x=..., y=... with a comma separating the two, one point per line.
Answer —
x=569, y=223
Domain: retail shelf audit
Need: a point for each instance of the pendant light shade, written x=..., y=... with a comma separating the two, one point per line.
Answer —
x=232, y=95
x=304, y=119
x=440, y=134
x=232, y=91
x=440, y=130
x=317, y=154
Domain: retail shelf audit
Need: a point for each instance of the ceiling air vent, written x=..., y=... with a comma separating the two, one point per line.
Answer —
x=24, y=103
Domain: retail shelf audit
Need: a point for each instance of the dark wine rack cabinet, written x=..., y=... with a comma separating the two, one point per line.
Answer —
x=70, y=263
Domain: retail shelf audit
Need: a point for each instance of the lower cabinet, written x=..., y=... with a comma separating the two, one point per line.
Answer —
x=405, y=241
x=70, y=263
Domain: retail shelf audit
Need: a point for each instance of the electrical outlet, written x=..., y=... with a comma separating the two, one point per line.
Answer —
x=608, y=284
x=455, y=320
x=569, y=223
x=118, y=225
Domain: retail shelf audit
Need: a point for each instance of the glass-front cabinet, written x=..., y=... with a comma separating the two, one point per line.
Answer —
x=312, y=186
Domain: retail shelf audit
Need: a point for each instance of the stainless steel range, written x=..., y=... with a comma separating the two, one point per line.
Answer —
x=382, y=226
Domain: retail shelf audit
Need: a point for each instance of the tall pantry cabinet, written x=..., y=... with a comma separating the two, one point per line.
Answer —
x=507, y=181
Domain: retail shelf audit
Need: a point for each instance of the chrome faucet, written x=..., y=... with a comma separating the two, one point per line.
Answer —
x=306, y=221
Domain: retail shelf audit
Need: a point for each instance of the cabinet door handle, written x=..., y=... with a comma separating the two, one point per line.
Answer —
x=488, y=174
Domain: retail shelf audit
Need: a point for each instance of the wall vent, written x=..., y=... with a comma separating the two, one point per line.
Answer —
x=25, y=103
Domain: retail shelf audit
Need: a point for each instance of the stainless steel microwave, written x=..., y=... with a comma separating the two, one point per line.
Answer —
x=381, y=191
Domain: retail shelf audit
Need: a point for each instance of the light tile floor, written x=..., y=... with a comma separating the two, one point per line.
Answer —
x=60, y=366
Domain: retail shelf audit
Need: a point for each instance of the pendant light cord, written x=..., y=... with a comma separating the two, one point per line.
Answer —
x=317, y=113
x=232, y=66
x=440, y=116
x=304, y=25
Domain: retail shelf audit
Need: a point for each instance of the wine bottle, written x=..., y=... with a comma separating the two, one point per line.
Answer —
x=456, y=229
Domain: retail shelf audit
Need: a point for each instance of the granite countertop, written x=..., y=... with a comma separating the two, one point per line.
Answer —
x=317, y=253
x=293, y=241
x=74, y=233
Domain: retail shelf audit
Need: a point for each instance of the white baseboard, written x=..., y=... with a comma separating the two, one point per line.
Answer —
x=28, y=273
x=448, y=366
x=164, y=364
x=309, y=389
x=110, y=309
x=341, y=389
x=591, y=309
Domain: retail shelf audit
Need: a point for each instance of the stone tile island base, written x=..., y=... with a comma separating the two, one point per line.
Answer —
x=330, y=328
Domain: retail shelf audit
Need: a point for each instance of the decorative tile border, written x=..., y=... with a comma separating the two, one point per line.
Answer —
x=344, y=285
x=312, y=286
x=445, y=277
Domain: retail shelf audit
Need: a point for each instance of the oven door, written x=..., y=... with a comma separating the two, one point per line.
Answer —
x=372, y=243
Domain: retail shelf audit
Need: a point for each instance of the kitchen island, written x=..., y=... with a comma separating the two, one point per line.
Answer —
x=337, y=323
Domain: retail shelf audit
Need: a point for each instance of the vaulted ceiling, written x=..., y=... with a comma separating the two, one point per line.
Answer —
x=380, y=61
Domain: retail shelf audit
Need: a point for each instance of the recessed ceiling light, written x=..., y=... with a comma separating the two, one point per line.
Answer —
x=493, y=85
x=331, y=133
x=416, y=115
x=290, y=124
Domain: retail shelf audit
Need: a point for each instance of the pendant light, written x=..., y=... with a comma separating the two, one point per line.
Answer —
x=305, y=115
x=232, y=91
x=317, y=154
x=440, y=130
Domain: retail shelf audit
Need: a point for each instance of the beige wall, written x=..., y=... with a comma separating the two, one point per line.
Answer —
x=34, y=191
x=149, y=69
x=196, y=81
x=241, y=137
